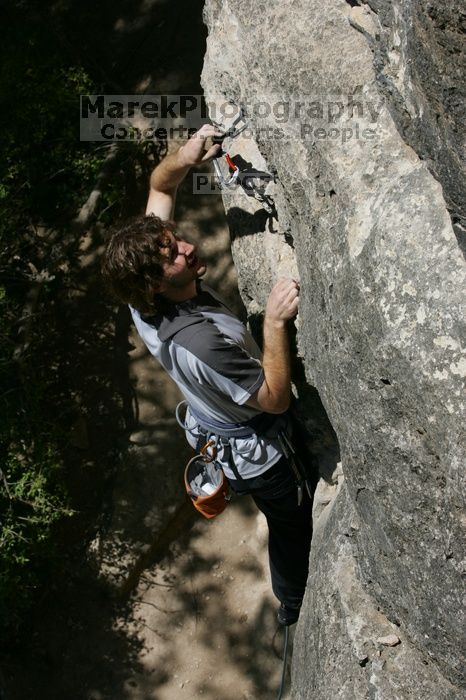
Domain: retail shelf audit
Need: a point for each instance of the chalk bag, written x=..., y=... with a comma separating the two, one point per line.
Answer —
x=206, y=485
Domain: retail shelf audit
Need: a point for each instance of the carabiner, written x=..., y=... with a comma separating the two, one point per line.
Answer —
x=206, y=455
x=221, y=179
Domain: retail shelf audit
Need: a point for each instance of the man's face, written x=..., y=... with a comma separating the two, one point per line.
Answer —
x=182, y=267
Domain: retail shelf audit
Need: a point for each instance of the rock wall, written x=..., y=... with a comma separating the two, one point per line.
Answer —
x=368, y=215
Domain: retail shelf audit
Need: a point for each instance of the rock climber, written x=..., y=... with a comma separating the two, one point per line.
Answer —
x=216, y=363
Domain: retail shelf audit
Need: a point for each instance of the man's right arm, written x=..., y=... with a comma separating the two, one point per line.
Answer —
x=274, y=395
x=172, y=170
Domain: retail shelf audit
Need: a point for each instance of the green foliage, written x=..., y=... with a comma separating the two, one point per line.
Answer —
x=46, y=175
x=45, y=169
x=32, y=500
x=45, y=172
x=32, y=492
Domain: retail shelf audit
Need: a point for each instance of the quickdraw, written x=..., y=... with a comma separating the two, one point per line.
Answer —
x=235, y=176
x=234, y=129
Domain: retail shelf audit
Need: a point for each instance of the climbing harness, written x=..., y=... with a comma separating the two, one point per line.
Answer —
x=244, y=178
x=209, y=432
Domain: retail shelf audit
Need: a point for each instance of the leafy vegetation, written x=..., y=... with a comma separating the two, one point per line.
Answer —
x=46, y=174
x=44, y=171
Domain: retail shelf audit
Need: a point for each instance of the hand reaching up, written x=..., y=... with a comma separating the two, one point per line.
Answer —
x=283, y=300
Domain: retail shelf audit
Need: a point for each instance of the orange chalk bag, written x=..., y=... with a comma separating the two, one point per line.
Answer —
x=205, y=482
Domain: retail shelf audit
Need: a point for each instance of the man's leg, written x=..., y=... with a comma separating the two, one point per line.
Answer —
x=290, y=529
x=290, y=533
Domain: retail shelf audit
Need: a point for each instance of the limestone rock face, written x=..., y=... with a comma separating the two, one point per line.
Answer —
x=368, y=191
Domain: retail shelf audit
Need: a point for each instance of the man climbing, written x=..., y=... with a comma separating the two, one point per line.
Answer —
x=217, y=364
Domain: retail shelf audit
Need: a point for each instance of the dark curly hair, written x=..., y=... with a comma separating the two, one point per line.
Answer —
x=133, y=259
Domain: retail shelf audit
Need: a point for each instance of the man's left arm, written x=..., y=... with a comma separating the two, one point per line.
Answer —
x=172, y=170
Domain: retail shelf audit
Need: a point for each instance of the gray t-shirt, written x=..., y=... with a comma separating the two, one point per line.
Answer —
x=216, y=364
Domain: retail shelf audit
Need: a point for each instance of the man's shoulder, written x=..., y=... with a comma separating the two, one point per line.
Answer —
x=200, y=336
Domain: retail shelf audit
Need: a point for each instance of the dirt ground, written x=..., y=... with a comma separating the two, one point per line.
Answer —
x=201, y=623
x=205, y=617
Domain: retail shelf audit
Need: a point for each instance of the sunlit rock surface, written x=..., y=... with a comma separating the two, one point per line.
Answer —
x=369, y=217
